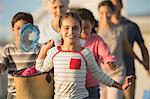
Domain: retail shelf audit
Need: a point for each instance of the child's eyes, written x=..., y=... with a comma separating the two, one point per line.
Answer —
x=54, y=7
x=18, y=28
x=73, y=28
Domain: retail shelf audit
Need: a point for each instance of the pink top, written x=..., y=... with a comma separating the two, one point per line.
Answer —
x=101, y=52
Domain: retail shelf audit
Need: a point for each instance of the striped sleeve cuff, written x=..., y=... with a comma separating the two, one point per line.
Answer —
x=39, y=61
x=111, y=83
x=39, y=64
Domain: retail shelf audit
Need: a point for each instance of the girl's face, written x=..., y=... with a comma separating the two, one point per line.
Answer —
x=16, y=29
x=86, y=29
x=58, y=8
x=70, y=30
x=105, y=14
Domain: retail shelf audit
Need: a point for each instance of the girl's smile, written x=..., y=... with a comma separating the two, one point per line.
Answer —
x=70, y=30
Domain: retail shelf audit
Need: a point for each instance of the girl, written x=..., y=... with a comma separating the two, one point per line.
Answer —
x=70, y=62
x=98, y=47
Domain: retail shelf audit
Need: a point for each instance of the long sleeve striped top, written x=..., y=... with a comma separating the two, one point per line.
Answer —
x=70, y=69
x=14, y=59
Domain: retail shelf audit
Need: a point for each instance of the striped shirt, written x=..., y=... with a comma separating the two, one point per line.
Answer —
x=70, y=72
x=113, y=38
x=15, y=59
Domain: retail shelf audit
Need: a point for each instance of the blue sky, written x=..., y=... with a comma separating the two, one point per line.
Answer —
x=8, y=8
x=11, y=7
x=138, y=7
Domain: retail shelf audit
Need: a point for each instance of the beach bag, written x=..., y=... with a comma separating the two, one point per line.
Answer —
x=35, y=86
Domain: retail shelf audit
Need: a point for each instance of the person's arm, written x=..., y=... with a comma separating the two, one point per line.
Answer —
x=128, y=49
x=105, y=55
x=45, y=47
x=145, y=56
x=140, y=41
x=4, y=61
x=128, y=82
x=101, y=76
x=43, y=62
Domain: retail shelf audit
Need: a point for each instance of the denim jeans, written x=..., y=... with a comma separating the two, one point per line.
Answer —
x=94, y=92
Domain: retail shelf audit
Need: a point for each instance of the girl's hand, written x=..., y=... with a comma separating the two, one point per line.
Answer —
x=45, y=47
x=128, y=82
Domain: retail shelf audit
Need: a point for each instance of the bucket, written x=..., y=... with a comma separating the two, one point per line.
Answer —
x=36, y=86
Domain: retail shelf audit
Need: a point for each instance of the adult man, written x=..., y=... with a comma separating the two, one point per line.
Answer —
x=49, y=29
x=133, y=35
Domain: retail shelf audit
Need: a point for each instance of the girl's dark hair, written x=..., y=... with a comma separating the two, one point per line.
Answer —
x=22, y=16
x=85, y=14
x=107, y=3
x=70, y=14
